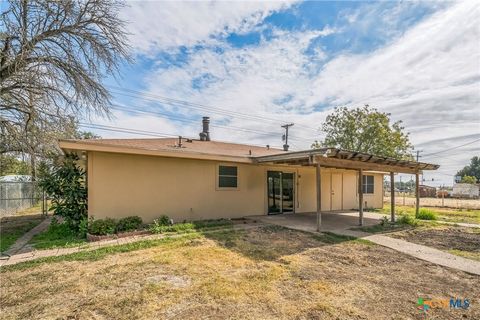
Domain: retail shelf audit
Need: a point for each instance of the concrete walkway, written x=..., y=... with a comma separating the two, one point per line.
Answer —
x=36, y=254
x=19, y=245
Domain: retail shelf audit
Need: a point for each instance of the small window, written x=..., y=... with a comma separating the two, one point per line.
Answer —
x=227, y=177
x=368, y=184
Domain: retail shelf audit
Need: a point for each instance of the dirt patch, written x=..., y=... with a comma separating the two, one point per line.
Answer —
x=436, y=202
x=443, y=238
x=265, y=273
x=12, y=223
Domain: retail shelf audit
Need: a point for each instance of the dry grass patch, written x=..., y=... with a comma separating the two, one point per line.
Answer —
x=264, y=273
x=457, y=240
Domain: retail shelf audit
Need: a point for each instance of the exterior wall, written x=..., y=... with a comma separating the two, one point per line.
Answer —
x=374, y=200
x=121, y=185
x=465, y=190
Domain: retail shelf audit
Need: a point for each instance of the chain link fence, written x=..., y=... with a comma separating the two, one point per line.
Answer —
x=18, y=196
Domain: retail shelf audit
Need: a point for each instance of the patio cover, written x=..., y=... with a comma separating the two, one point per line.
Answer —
x=345, y=159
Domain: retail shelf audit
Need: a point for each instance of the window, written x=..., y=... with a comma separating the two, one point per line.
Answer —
x=368, y=184
x=227, y=177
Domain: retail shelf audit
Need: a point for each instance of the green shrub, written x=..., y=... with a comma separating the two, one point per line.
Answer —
x=406, y=219
x=426, y=214
x=384, y=221
x=102, y=227
x=129, y=224
x=83, y=227
x=66, y=186
x=178, y=227
x=163, y=221
x=159, y=226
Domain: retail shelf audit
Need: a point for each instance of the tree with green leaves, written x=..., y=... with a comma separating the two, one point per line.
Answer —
x=66, y=186
x=469, y=179
x=9, y=164
x=473, y=169
x=365, y=129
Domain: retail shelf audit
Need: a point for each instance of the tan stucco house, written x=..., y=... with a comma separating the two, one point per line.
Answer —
x=195, y=179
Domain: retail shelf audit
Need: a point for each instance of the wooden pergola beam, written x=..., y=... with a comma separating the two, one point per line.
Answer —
x=363, y=165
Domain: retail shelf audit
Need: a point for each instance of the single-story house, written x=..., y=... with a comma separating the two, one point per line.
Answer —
x=195, y=179
x=427, y=191
x=465, y=190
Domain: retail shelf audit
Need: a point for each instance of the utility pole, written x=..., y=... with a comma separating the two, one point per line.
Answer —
x=285, y=136
x=443, y=195
x=418, y=154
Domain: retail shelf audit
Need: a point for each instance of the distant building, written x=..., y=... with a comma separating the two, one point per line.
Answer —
x=15, y=178
x=465, y=190
x=427, y=191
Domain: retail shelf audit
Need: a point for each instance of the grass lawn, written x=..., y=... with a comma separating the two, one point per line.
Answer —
x=58, y=235
x=443, y=214
x=260, y=273
x=12, y=228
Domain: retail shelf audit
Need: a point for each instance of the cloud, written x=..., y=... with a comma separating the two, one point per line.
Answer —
x=269, y=80
x=156, y=26
x=428, y=76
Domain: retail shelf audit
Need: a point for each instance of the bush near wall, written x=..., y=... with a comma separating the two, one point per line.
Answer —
x=111, y=226
x=426, y=214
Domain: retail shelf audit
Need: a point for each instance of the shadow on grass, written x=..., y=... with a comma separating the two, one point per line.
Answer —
x=379, y=228
x=265, y=243
x=272, y=242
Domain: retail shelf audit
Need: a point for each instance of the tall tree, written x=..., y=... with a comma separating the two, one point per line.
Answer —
x=53, y=57
x=366, y=130
x=9, y=164
x=473, y=169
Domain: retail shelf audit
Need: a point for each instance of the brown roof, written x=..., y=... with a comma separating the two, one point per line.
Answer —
x=189, y=146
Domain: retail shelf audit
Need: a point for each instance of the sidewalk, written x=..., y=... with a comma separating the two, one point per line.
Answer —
x=36, y=254
x=23, y=240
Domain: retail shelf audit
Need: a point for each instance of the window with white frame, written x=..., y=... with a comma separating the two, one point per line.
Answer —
x=227, y=177
x=368, y=182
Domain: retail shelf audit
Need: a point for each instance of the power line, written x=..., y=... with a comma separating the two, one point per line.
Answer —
x=453, y=148
x=126, y=130
x=168, y=116
x=143, y=132
x=222, y=111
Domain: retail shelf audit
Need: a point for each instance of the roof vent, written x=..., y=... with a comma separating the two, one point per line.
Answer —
x=205, y=134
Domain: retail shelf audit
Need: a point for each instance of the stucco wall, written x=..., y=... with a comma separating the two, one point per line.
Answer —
x=122, y=185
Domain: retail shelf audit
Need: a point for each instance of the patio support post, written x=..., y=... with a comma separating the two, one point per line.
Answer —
x=319, y=196
x=417, y=193
x=360, y=197
x=392, y=197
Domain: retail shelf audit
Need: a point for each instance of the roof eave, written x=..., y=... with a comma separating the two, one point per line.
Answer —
x=92, y=147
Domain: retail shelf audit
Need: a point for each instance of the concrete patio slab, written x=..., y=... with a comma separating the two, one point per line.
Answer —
x=331, y=221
